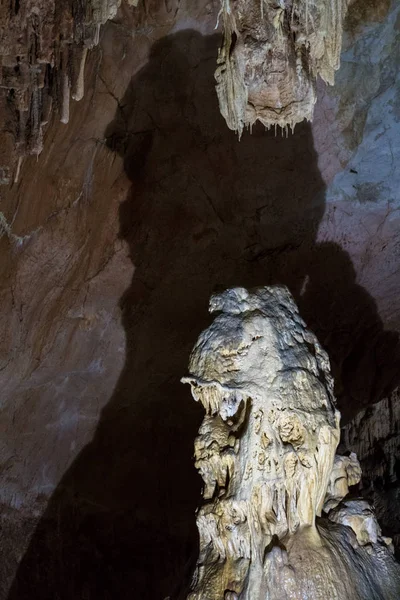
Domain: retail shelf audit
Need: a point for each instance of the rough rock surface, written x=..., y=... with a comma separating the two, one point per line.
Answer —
x=374, y=434
x=271, y=56
x=266, y=451
x=43, y=50
x=109, y=257
x=346, y=472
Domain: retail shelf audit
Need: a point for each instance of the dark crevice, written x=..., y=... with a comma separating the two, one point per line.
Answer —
x=233, y=43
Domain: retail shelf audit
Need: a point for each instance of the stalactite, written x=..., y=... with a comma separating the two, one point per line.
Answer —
x=79, y=84
x=270, y=58
x=36, y=68
x=266, y=452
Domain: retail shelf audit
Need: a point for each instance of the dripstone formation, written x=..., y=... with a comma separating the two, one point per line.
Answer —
x=271, y=55
x=43, y=50
x=374, y=433
x=276, y=520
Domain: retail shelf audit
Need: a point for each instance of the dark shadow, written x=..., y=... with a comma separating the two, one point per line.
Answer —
x=204, y=210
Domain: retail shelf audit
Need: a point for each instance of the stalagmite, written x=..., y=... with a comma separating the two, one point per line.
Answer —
x=275, y=522
x=271, y=55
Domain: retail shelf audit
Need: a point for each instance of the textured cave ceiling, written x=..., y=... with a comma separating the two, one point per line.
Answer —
x=113, y=238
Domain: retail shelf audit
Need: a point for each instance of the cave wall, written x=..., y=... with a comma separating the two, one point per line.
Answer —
x=374, y=434
x=112, y=241
x=356, y=136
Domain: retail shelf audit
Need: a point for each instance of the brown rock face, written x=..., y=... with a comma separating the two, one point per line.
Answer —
x=43, y=51
x=112, y=242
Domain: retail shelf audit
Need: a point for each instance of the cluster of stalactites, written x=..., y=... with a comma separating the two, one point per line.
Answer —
x=271, y=54
x=43, y=49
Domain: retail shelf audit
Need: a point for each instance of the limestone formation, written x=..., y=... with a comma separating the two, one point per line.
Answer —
x=43, y=51
x=346, y=471
x=271, y=55
x=266, y=452
x=374, y=434
x=359, y=516
x=267, y=65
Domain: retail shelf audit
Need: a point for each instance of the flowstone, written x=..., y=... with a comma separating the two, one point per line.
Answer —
x=266, y=452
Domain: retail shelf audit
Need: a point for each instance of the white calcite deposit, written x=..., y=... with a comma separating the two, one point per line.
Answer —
x=266, y=451
x=271, y=56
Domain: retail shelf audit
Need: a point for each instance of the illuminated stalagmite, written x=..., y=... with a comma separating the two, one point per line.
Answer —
x=266, y=451
x=271, y=55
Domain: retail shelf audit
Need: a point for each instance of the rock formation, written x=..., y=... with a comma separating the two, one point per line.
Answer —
x=268, y=63
x=266, y=452
x=43, y=51
x=108, y=261
x=271, y=55
x=374, y=434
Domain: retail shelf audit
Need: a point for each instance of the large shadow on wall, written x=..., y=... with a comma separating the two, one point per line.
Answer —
x=204, y=210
